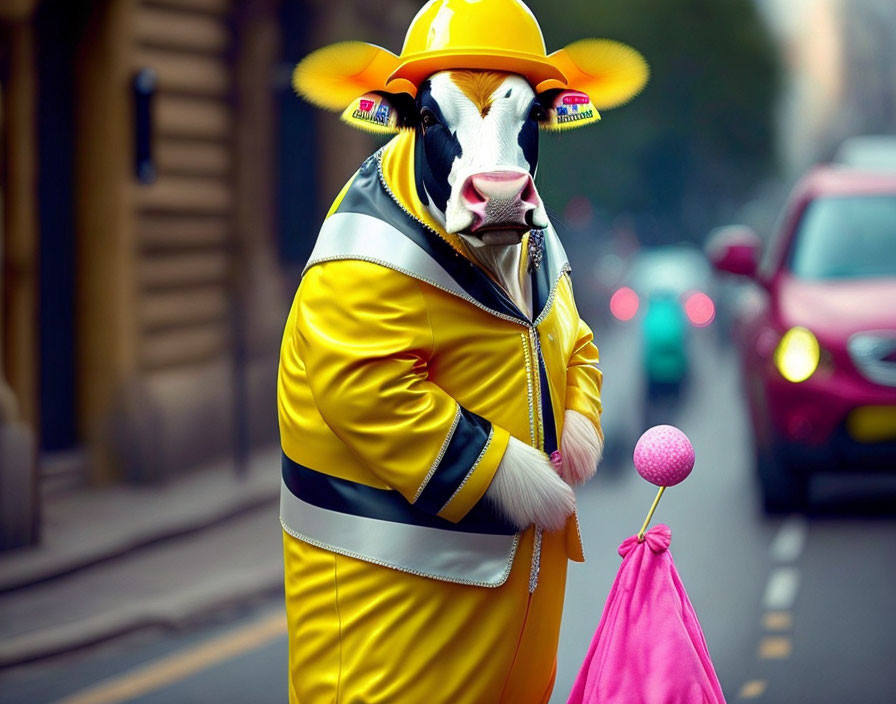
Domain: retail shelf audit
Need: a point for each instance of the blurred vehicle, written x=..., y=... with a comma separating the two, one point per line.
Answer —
x=664, y=294
x=819, y=342
x=868, y=151
x=668, y=291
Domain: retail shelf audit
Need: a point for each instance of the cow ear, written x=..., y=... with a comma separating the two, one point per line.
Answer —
x=334, y=76
x=609, y=72
x=380, y=112
x=566, y=110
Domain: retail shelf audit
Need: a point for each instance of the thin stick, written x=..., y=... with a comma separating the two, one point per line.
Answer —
x=656, y=502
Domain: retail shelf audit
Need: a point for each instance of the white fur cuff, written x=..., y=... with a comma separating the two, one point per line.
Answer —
x=527, y=490
x=581, y=447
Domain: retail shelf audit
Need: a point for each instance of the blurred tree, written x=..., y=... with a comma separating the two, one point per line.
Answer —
x=693, y=145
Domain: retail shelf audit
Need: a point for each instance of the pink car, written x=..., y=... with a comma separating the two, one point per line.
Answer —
x=819, y=341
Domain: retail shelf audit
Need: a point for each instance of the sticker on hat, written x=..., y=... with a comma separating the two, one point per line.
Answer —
x=569, y=109
x=372, y=112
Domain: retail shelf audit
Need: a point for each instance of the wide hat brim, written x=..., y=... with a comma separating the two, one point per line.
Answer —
x=418, y=67
x=609, y=72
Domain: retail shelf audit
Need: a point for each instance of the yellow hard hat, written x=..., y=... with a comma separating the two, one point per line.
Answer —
x=499, y=35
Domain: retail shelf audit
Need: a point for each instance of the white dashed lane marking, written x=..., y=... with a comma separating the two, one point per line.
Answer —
x=781, y=589
x=778, y=600
x=790, y=540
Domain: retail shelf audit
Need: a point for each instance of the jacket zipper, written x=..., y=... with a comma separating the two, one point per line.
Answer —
x=532, y=348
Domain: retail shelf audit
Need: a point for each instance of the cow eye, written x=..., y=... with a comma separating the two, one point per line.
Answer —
x=428, y=119
x=538, y=113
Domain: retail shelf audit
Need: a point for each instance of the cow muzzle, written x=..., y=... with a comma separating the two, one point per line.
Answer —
x=503, y=206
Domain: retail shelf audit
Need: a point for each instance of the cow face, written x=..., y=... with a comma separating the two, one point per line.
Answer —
x=477, y=145
x=476, y=155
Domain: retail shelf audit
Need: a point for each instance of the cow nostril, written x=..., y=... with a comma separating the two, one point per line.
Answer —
x=471, y=194
x=529, y=195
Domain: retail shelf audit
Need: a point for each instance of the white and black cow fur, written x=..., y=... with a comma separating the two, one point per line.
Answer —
x=468, y=137
x=475, y=163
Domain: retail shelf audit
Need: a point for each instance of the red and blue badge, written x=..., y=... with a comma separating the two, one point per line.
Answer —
x=570, y=109
x=372, y=112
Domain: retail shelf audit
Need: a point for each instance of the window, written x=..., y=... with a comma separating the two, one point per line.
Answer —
x=846, y=237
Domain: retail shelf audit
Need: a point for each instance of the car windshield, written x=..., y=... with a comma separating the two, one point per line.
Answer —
x=846, y=237
x=868, y=152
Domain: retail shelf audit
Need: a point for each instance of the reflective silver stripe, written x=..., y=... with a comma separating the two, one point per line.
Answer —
x=367, y=238
x=555, y=248
x=558, y=263
x=360, y=236
x=452, y=556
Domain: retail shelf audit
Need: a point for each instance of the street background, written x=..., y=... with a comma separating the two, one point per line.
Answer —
x=143, y=297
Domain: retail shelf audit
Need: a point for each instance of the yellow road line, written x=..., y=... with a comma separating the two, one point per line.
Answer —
x=180, y=665
x=753, y=689
x=775, y=648
x=777, y=620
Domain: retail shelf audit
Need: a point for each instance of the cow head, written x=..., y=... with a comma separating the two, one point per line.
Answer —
x=476, y=150
x=476, y=146
x=476, y=155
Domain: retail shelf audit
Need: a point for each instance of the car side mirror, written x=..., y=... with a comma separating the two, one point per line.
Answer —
x=734, y=250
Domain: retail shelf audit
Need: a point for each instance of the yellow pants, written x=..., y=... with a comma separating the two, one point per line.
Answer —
x=364, y=634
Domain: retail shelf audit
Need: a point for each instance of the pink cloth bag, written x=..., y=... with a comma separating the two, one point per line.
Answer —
x=649, y=647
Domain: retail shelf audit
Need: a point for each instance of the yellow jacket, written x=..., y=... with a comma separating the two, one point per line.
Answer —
x=404, y=370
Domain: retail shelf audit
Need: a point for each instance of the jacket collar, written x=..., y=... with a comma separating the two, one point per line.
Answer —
x=384, y=189
x=396, y=161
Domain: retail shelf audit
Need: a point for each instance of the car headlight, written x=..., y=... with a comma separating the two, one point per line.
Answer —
x=797, y=354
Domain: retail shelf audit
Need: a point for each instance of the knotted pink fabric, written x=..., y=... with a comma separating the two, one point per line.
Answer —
x=649, y=647
x=557, y=460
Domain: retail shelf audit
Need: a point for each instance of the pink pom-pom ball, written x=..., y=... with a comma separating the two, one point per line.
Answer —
x=664, y=456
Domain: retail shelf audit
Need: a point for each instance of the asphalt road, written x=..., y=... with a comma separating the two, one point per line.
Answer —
x=794, y=609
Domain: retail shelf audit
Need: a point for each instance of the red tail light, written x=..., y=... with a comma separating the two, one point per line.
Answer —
x=624, y=303
x=700, y=309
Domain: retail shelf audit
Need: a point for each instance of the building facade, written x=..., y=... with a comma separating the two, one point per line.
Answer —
x=160, y=188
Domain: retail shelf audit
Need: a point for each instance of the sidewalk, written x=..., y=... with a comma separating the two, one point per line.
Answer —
x=123, y=558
